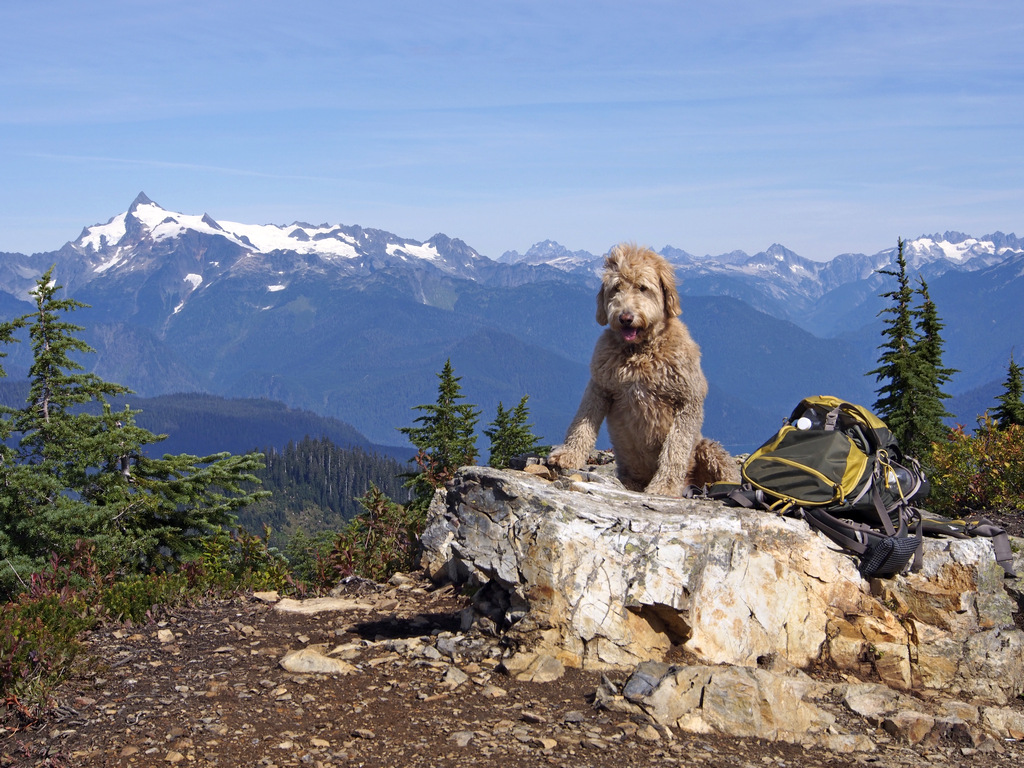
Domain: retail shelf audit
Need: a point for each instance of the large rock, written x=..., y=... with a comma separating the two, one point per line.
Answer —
x=598, y=577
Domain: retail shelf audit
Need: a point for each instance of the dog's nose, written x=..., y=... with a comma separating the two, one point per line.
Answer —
x=626, y=319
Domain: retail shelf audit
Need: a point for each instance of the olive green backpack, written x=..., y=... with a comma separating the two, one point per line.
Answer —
x=840, y=468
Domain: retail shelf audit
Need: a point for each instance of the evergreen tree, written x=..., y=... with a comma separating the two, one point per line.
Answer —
x=910, y=367
x=897, y=371
x=78, y=470
x=1011, y=407
x=929, y=410
x=510, y=435
x=445, y=439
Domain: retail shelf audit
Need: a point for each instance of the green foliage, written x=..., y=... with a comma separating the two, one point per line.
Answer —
x=137, y=597
x=510, y=434
x=240, y=560
x=930, y=412
x=38, y=645
x=72, y=473
x=1011, y=408
x=310, y=559
x=980, y=471
x=444, y=440
x=910, y=367
x=380, y=542
x=40, y=629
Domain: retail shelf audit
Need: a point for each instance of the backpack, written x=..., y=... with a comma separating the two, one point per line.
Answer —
x=840, y=468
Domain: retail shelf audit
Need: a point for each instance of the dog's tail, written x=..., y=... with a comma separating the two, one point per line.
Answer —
x=712, y=464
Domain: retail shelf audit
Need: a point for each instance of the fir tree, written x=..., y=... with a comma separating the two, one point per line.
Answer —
x=1011, y=408
x=929, y=411
x=510, y=435
x=897, y=371
x=445, y=439
x=78, y=470
x=910, y=367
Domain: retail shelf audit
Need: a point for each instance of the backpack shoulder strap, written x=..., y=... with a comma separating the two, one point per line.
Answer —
x=1000, y=543
x=880, y=555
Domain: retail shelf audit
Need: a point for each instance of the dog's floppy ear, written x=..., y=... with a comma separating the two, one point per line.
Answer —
x=611, y=264
x=602, y=311
x=670, y=296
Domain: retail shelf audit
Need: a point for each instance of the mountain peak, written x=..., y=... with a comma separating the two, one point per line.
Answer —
x=548, y=252
x=140, y=199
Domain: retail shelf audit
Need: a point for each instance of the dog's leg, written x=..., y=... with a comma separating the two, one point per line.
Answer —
x=677, y=454
x=582, y=434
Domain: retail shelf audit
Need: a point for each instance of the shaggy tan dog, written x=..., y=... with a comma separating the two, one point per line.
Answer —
x=646, y=380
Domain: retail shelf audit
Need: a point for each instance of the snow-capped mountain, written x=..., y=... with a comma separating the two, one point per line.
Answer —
x=812, y=294
x=113, y=244
x=186, y=252
x=551, y=253
x=939, y=252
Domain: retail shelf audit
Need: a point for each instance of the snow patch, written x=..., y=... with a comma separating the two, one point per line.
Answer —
x=958, y=252
x=425, y=252
x=111, y=262
x=327, y=241
x=105, y=235
x=275, y=288
x=264, y=238
x=194, y=279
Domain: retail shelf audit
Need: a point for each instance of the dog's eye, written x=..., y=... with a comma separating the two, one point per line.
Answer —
x=643, y=288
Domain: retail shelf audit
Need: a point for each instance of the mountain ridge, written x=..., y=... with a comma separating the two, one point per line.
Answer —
x=352, y=323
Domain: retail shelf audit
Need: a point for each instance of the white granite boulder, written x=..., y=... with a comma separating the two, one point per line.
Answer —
x=602, y=578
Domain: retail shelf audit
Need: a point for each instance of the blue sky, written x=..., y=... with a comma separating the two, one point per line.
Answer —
x=828, y=126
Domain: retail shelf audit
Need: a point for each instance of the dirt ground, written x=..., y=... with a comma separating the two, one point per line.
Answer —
x=204, y=687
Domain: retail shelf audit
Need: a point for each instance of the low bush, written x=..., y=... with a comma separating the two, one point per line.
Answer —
x=41, y=628
x=980, y=471
x=381, y=541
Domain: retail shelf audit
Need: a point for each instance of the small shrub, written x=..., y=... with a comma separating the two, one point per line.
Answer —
x=39, y=633
x=239, y=560
x=979, y=471
x=137, y=597
x=310, y=559
x=381, y=541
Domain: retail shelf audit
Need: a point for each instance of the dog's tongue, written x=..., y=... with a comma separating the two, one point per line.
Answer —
x=629, y=334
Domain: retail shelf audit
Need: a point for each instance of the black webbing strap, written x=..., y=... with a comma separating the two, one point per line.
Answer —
x=841, y=533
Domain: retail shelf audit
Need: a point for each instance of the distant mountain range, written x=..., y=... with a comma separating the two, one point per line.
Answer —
x=353, y=323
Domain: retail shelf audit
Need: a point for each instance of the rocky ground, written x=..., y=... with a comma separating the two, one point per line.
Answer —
x=205, y=687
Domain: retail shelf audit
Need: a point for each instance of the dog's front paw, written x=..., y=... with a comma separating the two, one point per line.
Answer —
x=659, y=487
x=565, y=457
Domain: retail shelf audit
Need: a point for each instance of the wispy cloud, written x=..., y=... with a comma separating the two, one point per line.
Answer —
x=741, y=110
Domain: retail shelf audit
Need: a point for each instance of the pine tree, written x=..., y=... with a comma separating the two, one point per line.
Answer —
x=1011, y=407
x=79, y=472
x=445, y=439
x=510, y=435
x=929, y=411
x=897, y=371
x=910, y=367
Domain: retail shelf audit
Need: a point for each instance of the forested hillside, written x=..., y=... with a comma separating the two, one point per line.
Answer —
x=314, y=485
